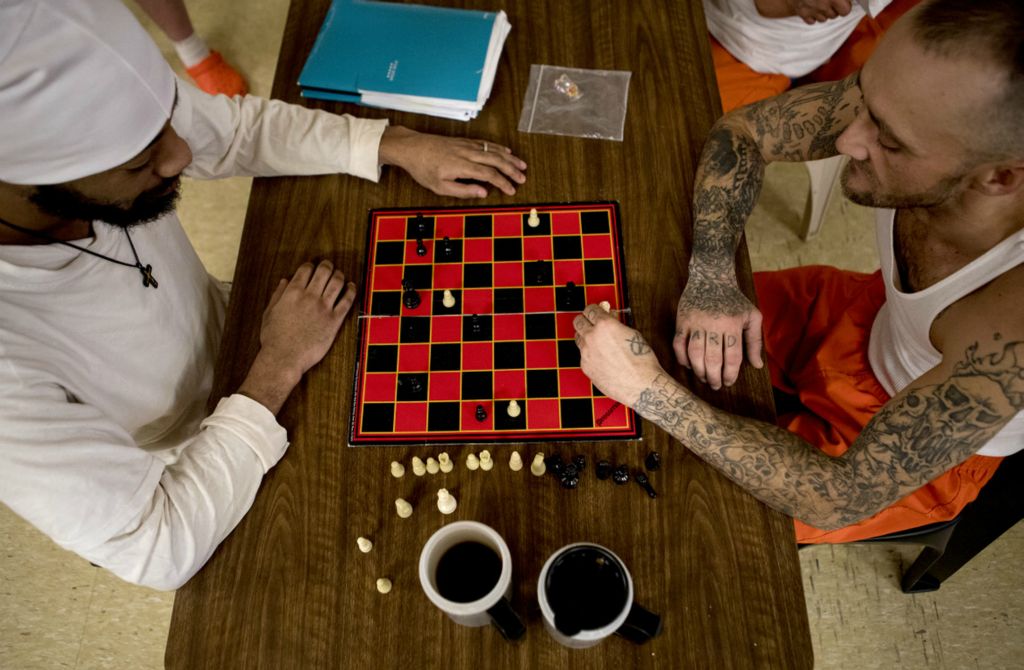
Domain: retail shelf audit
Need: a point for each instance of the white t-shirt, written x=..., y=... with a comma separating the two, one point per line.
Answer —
x=105, y=443
x=785, y=46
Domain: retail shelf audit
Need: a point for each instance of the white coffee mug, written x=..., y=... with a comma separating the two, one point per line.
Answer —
x=632, y=621
x=493, y=607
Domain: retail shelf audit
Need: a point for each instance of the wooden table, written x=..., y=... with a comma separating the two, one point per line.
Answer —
x=288, y=589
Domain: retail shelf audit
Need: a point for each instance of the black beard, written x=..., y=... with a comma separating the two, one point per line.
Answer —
x=66, y=203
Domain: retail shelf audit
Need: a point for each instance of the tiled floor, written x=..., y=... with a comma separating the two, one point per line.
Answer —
x=57, y=611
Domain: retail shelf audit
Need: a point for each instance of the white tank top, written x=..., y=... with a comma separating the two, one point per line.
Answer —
x=900, y=349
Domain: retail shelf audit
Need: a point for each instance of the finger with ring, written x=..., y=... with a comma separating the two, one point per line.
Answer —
x=485, y=147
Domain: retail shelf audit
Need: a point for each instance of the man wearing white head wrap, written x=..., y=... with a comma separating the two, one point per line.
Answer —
x=105, y=444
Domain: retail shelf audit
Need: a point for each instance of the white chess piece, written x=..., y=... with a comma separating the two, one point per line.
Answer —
x=538, y=467
x=472, y=462
x=432, y=466
x=364, y=545
x=485, y=460
x=515, y=462
x=533, y=221
x=605, y=305
x=418, y=468
x=444, y=461
x=384, y=585
x=514, y=409
x=397, y=469
x=448, y=300
x=403, y=508
x=446, y=502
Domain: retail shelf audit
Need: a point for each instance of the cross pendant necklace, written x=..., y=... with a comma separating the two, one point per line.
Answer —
x=145, y=270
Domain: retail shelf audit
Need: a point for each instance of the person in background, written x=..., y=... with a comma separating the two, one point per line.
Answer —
x=759, y=47
x=207, y=68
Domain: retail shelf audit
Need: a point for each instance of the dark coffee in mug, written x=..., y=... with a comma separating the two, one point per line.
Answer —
x=586, y=588
x=467, y=571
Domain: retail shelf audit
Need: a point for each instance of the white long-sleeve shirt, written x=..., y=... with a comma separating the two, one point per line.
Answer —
x=105, y=442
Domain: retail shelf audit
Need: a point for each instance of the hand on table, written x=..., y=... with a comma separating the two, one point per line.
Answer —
x=713, y=324
x=437, y=162
x=299, y=326
x=615, y=357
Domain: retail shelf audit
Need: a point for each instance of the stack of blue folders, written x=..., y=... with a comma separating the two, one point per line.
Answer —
x=413, y=58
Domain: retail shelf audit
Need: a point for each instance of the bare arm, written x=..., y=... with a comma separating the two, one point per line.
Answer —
x=714, y=318
x=939, y=421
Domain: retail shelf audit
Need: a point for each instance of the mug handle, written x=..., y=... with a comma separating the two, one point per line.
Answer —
x=506, y=620
x=640, y=625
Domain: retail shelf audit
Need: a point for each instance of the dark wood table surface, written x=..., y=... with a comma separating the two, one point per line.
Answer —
x=289, y=589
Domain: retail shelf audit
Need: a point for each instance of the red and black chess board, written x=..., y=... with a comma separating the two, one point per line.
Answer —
x=423, y=372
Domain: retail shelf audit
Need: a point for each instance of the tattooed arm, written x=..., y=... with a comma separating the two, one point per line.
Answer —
x=715, y=319
x=934, y=424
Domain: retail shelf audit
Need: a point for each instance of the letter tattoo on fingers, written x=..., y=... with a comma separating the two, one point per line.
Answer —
x=730, y=341
x=713, y=338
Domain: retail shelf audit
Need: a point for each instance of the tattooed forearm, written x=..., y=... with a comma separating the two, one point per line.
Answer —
x=913, y=439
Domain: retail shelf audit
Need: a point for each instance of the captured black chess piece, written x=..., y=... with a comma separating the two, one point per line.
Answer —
x=580, y=461
x=555, y=464
x=570, y=477
x=604, y=470
x=621, y=475
x=653, y=461
x=645, y=483
x=481, y=413
x=410, y=298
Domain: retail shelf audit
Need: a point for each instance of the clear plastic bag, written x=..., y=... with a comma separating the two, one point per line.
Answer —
x=576, y=102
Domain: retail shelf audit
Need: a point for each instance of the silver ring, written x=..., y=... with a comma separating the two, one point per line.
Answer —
x=485, y=147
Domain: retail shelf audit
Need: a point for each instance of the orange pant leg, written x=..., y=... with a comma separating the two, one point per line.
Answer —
x=817, y=321
x=858, y=47
x=738, y=85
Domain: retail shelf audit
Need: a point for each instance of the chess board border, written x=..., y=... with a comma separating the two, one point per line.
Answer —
x=632, y=431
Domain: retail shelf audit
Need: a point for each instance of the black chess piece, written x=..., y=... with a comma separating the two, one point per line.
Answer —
x=421, y=224
x=580, y=462
x=555, y=464
x=653, y=461
x=570, y=295
x=604, y=470
x=569, y=478
x=446, y=247
x=410, y=298
x=621, y=475
x=538, y=267
x=645, y=483
x=474, y=325
x=415, y=385
x=421, y=249
x=481, y=413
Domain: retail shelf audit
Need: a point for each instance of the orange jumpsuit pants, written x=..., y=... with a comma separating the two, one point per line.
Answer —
x=817, y=321
x=739, y=85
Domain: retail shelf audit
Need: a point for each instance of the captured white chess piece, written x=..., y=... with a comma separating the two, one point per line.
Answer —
x=403, y=508
x=538, y=467
x=485, y=460
x=446, y=502
x=383, y=585
x=397, y=469
x=444, y=462
x=432, y=466
x=418, y=468
x=515, y=462
x=472, y=462
x=364, y=545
